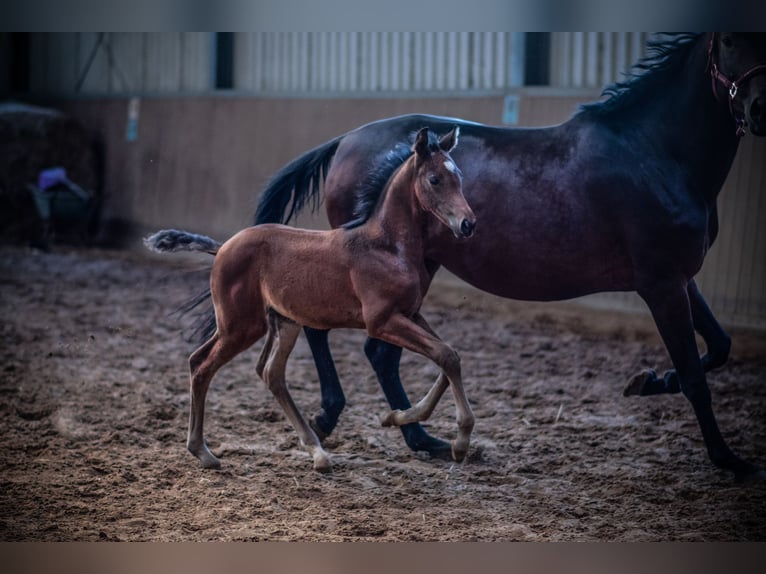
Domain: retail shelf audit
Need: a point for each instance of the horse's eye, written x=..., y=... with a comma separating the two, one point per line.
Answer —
x=433, y=180
x=727, y=41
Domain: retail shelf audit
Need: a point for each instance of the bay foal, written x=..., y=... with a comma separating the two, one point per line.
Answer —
x=273, y=280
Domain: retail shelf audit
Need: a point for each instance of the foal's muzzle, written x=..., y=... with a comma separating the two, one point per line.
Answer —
x=467, y=227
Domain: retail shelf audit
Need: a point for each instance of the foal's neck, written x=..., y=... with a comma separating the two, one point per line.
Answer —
x=400, y=218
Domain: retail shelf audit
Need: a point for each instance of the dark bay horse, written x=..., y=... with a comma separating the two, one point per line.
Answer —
x=274, y=279
x=621, y=197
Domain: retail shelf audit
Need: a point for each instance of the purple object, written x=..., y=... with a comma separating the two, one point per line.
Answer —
x=52, y=176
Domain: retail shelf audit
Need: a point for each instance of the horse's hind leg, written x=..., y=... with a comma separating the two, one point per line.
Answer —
x=203, y=364
x=333, y=399
x=284, y=333
x=671, y=309
x=717, y=341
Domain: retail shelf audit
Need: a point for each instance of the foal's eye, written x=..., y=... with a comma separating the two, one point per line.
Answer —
x=727, y=41
x=433, y=180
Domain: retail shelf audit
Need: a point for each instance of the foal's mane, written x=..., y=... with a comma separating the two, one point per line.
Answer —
x=371, y=190
x=665, y=57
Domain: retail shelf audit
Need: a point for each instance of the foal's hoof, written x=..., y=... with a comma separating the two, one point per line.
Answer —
x=637, y=383
x=322, y=463
x=391, y=418
x=458, y=455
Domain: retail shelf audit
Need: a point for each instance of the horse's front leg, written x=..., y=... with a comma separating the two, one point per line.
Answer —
x=417, y=336
x=671, y=309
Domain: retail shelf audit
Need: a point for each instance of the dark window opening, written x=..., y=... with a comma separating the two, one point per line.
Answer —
x=224, y=60
x=537, y=53
x=19, y=64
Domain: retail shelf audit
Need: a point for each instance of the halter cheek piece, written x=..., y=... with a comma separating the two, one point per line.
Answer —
x=732, y=85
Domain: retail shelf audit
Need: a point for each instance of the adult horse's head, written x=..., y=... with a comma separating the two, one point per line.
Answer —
x=439, y=182
x=738, y=67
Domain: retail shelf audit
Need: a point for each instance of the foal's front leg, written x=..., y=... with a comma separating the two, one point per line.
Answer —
x=416, y=335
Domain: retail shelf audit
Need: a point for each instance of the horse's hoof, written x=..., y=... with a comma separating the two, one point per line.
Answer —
x=420, y=441
x=755, y=476
x=441, y=451
x=210, y=462
x=206, y=458
x=636, y=384
x=314, y=424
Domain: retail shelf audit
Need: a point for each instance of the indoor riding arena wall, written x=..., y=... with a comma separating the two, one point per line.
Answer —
x=200, y=162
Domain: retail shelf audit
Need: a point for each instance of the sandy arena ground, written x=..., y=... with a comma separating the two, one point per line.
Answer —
x=94, y=399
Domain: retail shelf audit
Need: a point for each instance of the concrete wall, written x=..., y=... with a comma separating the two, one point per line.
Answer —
x=199, y=163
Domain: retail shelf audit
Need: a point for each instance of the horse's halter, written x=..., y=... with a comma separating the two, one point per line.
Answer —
x=732, y=85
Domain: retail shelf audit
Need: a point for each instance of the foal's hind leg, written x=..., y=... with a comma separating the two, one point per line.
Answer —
x=717, y=341
x=283, y=334
x=670, y=307
x=203, y=364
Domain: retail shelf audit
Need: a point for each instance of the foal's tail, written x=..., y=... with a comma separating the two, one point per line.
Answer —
x=287, y=193
x=296, y=184
x=170, y=240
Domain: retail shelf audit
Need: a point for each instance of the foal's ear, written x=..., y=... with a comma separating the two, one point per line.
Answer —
x=449, y=141
x=420, y=147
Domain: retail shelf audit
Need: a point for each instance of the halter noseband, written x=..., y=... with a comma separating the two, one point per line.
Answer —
x=732, y=86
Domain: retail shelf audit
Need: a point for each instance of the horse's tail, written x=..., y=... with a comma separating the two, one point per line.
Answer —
x=296, y=184
x=170, y=240
x=293, y=185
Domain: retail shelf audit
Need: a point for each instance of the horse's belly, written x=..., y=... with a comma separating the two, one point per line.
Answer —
x=538, y=273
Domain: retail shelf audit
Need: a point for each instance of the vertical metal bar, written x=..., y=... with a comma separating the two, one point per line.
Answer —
x=591, y=71
x=516, y=75
x=607, y=74
x=501, y=55
x=440, y=49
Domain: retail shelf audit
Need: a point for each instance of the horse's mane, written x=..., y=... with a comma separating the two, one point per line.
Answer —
x=666, y=55
x=370, y=190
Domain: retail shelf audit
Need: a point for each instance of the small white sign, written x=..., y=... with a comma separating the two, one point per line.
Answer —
x=134, y=108
x=511, y=110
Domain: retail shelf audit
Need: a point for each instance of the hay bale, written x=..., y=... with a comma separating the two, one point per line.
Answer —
x=33, y=138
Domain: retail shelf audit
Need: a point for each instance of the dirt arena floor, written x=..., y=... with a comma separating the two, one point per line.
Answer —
x=94, y=399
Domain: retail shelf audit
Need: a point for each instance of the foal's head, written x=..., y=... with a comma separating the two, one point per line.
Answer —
x=438, y=182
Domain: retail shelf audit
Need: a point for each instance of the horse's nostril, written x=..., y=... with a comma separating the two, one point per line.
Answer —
x=757, y=109
x=466, y=227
